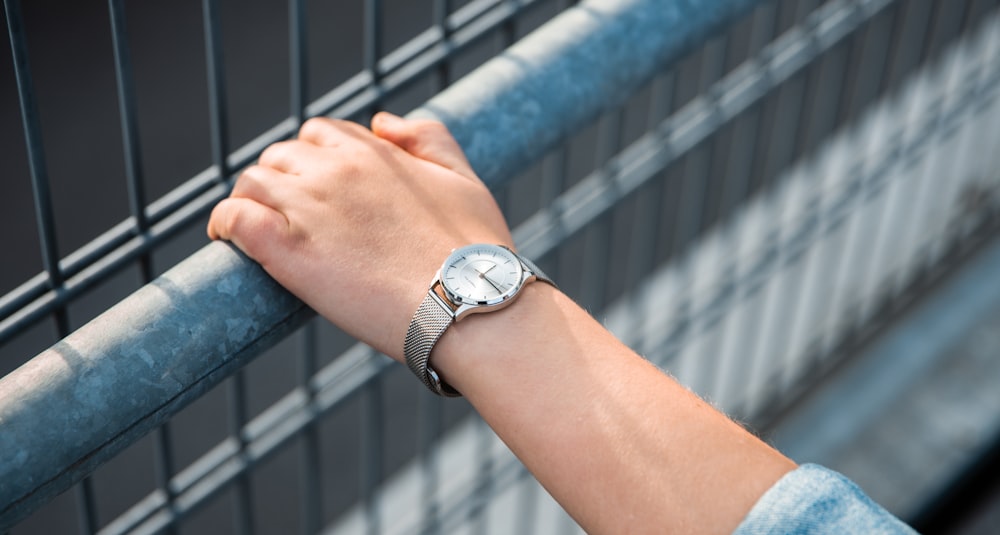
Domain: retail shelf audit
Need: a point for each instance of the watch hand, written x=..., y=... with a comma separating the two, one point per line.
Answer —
x=487, y=279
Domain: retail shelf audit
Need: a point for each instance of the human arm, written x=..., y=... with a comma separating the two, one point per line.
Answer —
x=356, y=224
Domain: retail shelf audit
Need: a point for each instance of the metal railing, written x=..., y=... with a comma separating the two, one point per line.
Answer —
x=683, y=205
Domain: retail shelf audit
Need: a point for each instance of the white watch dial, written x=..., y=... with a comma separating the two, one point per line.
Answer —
x=481, y=274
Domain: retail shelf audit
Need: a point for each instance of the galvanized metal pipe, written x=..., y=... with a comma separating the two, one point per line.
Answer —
x=101, y=388
x=104, y=386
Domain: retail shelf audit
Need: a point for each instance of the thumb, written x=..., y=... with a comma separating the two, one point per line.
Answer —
x=426, y=139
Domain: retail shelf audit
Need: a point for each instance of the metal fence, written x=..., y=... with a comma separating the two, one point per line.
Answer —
x=763, y=188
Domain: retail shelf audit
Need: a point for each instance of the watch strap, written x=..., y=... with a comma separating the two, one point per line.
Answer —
x=428, y=324
x=539, y=275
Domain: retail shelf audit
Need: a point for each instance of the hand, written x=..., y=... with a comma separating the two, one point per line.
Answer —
x=356, y=222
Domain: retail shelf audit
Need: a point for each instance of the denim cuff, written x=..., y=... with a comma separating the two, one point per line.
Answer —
x=814, y=499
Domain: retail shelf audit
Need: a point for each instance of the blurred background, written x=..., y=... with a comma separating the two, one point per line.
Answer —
x=797, y=219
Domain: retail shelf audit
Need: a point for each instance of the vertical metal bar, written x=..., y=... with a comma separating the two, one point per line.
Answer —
x=129, y=124
x=163, y=455
x=929, y=184
x=738, y=329
x=824, y=258
x=373, y=38
x=442, y=9
x=243, y=517
x=827, y=101
x=373, y=47
x=243, y=510
x=45, y=219
x=599, y=234
x=484, y=477
x=216, y=88
x=642, y=249
x=569, y=526
x=162, y=444
x=372, y=445
x=298, y=58
x=641, y=255
x=528, y=505
x=311, y=497
x=86, y=507
x=30, y=121
x=879, y=57
x=896, y=55
x=744, y=157
x=430, y=430
x=874, y=57
x=785, y=302
x=812, y=73
x=695, y=189
x=770, y=342
x=508, y=31
x=554, y=168
x=886, y=218
x=770, y=25
x=910, y=49
x=508, y=34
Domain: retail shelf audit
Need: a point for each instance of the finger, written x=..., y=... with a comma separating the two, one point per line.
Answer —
x=263, y=184
x=425, y=139
x=258, y=230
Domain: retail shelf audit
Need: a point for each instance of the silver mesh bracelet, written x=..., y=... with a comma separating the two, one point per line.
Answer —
x=427, y=326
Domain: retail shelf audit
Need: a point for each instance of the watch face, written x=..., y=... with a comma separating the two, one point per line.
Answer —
x=481, y=274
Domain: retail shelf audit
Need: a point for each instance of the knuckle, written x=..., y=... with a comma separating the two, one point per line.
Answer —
x=315, y=127
x=248, y=181
x=327, y=131
x=273, y=153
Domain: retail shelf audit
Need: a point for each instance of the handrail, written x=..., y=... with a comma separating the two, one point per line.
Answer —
x=79, y=403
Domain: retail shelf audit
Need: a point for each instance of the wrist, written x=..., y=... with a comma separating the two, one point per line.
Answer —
x=513, y=349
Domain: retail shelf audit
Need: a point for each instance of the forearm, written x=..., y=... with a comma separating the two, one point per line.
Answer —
x=620, y=445
x=355, y=222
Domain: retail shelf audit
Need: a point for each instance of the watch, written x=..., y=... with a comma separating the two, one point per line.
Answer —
x=476, y=278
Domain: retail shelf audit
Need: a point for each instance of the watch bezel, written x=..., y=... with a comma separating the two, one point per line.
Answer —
x=466, y=301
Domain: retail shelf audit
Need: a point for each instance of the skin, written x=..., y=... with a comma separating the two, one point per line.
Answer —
x=356, y=222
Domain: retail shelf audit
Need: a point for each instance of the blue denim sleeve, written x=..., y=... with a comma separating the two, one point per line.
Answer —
x=812, y=499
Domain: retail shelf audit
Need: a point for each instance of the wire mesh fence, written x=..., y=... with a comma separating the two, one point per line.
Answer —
x=740, y=220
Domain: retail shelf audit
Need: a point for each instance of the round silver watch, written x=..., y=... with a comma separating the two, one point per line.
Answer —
x=476, y=278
